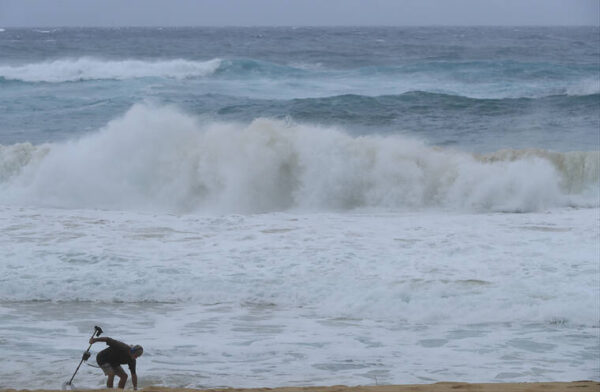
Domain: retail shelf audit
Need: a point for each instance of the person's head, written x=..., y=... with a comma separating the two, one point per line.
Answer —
x=136, y=351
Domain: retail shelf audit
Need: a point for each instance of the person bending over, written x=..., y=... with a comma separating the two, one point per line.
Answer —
x=118, y=353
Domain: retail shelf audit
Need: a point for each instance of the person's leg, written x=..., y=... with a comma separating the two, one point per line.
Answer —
x=109, y=372
x=122, y=377
x=110, y=381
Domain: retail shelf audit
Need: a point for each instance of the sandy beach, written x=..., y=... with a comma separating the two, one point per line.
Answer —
x=437, y=387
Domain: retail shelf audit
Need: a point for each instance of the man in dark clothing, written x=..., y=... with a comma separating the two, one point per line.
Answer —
x=111, y=359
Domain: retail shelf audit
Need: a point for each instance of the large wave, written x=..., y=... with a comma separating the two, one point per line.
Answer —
x=159, y=158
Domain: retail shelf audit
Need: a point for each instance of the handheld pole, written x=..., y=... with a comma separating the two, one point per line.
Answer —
x=86, y=354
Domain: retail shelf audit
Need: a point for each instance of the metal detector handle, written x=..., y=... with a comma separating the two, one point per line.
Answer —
x=97, y=332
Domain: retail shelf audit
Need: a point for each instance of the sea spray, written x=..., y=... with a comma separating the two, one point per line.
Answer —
x=160, y=158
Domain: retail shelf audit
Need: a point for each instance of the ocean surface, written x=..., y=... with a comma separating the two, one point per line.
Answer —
x=264, y=207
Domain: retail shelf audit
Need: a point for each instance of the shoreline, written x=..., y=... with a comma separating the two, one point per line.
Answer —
x=574, y=386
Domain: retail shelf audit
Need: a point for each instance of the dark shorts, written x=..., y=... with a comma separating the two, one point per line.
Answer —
x=111, y=370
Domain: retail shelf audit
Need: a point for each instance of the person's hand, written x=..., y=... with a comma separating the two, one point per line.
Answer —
x=92, y=340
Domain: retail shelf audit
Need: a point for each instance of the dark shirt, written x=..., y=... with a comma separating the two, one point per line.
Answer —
x=116, y=354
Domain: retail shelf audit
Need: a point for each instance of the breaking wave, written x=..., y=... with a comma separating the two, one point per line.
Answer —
x=161, y=159
x=70, y=70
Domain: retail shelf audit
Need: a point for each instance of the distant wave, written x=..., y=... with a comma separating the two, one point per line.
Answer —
x=480, y=80
x=87, y=68
x=422, y=97
x=387, y=109
x=584, y=87
x=70, y=70
x=158, y=158
x=251, y=67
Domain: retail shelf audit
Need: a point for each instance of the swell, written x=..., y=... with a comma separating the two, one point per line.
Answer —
x=390, y=109
x=447, y=101
x=159, y=158
x=473, y=79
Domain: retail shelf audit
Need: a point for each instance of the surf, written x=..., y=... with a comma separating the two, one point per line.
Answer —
x=163, y=159
x=88, y=68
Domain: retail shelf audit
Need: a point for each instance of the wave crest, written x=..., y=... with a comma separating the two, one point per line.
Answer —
x=70, y=70
x=159, y=158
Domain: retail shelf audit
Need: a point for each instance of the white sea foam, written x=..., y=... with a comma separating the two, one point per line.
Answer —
x=426, y=268
x=316, y=297
x=65, y=70
x=158, y=158
x=585, y=87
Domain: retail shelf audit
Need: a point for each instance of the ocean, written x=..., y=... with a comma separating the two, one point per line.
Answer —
x=264, y=207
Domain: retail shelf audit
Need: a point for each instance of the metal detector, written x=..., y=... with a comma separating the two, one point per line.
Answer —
x=86, y=355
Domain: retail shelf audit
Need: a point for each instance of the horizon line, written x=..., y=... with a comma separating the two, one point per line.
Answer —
x=294, y=26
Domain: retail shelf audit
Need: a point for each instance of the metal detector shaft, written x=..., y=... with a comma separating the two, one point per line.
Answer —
x=97, y=332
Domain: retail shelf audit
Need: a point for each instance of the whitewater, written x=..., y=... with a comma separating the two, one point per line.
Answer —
x=158, y=158
x=265, y=207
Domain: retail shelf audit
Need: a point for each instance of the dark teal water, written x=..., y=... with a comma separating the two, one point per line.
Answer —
x=478, y=89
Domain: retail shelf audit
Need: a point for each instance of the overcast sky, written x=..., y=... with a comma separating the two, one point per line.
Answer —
x=296, y=12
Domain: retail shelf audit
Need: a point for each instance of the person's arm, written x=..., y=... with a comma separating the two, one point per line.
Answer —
x=132, y=363
x=134, y=380
x=111, y=342
x=104, y=339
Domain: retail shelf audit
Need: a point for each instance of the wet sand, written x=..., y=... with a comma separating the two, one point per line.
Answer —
x=577, y=386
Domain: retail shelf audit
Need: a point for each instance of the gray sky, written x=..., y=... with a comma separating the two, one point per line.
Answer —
x=296, y=12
